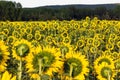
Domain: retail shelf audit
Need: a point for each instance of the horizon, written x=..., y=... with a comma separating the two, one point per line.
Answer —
x=41, y=3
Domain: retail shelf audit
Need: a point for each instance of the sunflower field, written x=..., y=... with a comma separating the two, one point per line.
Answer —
x=88, y=49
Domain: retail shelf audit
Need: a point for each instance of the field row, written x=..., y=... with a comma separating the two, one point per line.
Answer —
x=60, y=50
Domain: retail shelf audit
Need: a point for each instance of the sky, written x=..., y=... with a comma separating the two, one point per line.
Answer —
x=36, y=3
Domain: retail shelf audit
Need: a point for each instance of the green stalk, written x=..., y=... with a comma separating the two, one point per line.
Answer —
x=71, y=70
x=2, y=38
x=116, y=71
x=40, y=68
x=108, y=76
x=0, y=75
x=20, y=70
x=20, y=67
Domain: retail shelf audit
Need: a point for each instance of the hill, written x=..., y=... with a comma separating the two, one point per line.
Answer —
x=108, y=6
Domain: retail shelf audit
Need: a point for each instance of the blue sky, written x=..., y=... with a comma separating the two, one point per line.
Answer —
x=36, y=3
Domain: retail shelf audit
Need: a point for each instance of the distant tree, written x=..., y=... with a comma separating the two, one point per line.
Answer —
x=117, y=11
x=10, y=10
x=18, y=11
x=100, y=12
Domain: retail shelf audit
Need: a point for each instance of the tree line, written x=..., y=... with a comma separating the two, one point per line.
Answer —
x=13, y=11
x=10, y=11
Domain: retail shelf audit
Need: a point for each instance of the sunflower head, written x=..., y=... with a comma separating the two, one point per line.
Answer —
x=115, y=55
x=48, y=58
x=3, y=36
x=106, y=52
x=7, y=76
x=65, y=48
x=65, y=34
x=4, y=56
x=37, y=36
x=96, y=42
x=113, y=36
x=111, y=40
x=78, y=63
x=16, y=34
x=21, y=49
x=103, y=59
x=85, y=24
x=58, y=39
x=6, y=31
x=28, y=30
x=93, y=50
x=35, y=43
x=11, y=39
x=49, y=39
x=80, y=43
x=99, y=36
x=105, y=72
x=66, y=40
x=118, y=44
x=22, y=30
x=89, y=41
x=117, y=64
x=109, y=46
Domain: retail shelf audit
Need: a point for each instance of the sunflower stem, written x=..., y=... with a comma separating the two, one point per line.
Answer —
x=2, y=38
x=108, y=76
x=63, y=54
x=0, y=75
x=40, y=68
x=71, y=70
x=20, y=70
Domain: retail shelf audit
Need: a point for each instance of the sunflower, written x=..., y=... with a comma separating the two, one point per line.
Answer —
x=103, y=59
x=113, y=36
x=66, y=40
x=117, y=64
x=99, y=36
x=35, y=43
x=58, y=39
x=6, y=31
x=80, y=43
x=49, y=39
x=105, y=72
x=3, y=36
x=115, y=55
x=85, y=24
x=76, y=65
x=44, y=60
x=22, y=31
x=90, y=41
x=94, y=50
x=3, y=56
x=21, y=49
x=37, y=36
x=65, y=48
x=111, y=41
x=118, y=44
x=96, y=42
x=65, y=34
x=7, y=76
x=106, y=52
x=109, y=46
x=11, y=40
x=16, y=34
x=29, y=36
x=28, y=30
